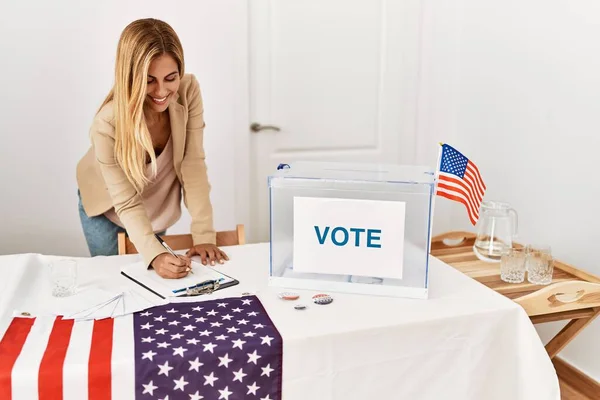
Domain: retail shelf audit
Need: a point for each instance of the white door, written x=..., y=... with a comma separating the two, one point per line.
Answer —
x=329, y=80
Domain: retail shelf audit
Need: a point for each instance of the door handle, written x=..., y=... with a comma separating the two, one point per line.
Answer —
x=256, y=127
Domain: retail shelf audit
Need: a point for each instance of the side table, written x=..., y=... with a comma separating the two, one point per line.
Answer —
x=573, y=294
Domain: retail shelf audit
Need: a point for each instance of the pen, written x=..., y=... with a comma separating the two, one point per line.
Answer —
x=166, y=246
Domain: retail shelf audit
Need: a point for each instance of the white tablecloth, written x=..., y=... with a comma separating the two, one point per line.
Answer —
x=464, y=342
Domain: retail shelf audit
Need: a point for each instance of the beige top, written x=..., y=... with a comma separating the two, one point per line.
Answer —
x=162, y=197
x=103, y=184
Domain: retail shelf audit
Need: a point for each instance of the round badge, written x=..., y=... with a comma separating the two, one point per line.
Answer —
x=322, y=299
x=289, y=296
x=300, y=307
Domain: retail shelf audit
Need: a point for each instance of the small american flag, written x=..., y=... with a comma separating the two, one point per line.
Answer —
x=459, y=180
x=226, y=349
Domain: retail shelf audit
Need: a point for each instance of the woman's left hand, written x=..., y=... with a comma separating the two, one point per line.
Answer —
x=208, y=253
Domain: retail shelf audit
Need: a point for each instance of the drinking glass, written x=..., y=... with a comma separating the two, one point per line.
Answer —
x=63, y=276
x=513, y=264
x=540, y=265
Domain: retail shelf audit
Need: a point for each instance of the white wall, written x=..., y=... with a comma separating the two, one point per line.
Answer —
x=57, y=66
x=516, y=86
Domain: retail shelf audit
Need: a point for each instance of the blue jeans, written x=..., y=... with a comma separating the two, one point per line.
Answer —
x=100, y=233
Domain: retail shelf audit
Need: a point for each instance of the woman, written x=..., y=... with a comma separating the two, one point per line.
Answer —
x=147, y=147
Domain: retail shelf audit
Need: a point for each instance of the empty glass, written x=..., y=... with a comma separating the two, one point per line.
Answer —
x=513, y=265
x=540, y=265
x=63, y=276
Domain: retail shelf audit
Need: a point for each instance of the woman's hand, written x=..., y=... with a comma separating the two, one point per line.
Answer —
x=208, y=253
x=171, y=267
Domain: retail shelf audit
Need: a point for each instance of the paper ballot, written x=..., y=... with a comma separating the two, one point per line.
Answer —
x=99, y=303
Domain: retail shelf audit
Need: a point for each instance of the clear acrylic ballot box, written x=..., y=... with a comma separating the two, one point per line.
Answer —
x=351, y=227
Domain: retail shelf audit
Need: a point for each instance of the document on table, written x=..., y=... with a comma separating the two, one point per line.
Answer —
x=99, y=303
x=165, y=288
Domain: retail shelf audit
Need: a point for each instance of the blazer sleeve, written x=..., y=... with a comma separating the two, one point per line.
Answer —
x=127, y=202
x=196, y=187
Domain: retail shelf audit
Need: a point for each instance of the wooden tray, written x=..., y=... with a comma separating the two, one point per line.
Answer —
x=570, y=288
x=573, y=294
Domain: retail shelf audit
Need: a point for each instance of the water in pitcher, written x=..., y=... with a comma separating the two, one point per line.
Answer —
x=497, y=226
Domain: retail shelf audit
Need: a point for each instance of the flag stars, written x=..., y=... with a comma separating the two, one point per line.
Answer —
x=258, y=326
x=242, y=322
x=210, y=379
x=266, y=340
x=222, y=305
x=195, y=365
x=149, y=388
x=172, y=311
x=239, y=375
x=161, y=331
x=163, y=345
x=233, y=329
x=146, y=314
x=221, y=337
x=253, y=357
x=179, y=384
x=239, y=343
x=209, y=347
x=178, y=351
x=146, y=326
x=148, y=355
x=196, y=396
x=227, y=317
x=205, y=332
x=197, y=309
x=212, y=313
x=252, y=314
x=159, y=319
x=176, y=336
x=201, y=319
x=189, y=328
x=237, y=309
x=246, y=302
x=175, y=323
x=249, y=334
x=252, y=389
x=225, y=393
x=186, y=315
x=216, y=324
x=224, y=361
x=267, y=370
x=164, y=369
x=193, y=341
x=148, y=339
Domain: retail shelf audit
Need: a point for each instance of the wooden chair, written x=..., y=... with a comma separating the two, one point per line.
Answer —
x=182, y=242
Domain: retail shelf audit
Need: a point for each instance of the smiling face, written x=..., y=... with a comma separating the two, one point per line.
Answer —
x=163, y=82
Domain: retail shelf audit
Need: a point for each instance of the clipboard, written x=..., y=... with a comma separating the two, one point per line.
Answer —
x=204, y=280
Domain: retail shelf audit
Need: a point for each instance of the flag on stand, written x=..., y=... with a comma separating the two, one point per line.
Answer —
x=459, y=180
x=224, y=349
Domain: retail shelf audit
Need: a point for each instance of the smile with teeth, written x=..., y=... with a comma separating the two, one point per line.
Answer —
x=160, y=101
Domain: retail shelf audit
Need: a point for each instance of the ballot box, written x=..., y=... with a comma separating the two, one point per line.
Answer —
x=351, y=227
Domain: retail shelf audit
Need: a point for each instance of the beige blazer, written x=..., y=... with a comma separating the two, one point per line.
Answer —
x=103, y=184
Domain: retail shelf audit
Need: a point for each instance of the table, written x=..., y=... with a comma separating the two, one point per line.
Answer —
x=573, y=295
x=465, y=342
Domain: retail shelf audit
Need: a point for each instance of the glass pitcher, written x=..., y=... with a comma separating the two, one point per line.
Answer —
x=497, y=227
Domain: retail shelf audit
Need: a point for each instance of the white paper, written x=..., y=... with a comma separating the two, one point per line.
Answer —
x=349, y=237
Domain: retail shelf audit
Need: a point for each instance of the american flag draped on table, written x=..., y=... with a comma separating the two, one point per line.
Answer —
x=460, y=180
x=224, y=349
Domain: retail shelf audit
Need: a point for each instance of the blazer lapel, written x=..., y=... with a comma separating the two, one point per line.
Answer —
x=177, y=116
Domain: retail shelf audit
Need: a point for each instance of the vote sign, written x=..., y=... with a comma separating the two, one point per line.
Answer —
x=349, y=236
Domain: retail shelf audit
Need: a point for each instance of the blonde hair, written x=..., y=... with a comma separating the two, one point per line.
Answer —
x=140, y=42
